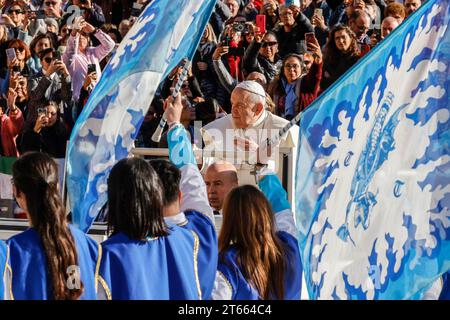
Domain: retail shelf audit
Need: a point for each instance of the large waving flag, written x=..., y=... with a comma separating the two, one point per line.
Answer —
x=373, y=173
x=164, y=34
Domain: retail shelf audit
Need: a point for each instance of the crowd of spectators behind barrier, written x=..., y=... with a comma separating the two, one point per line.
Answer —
x=50, y=61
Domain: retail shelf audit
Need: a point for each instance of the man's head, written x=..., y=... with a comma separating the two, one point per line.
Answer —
x=220, y=178
x=387, y=26
x=287, y=16
x=247, y=103
x=395, y=10
x=359, y=23
x=411, y=6
x=124, y=27
x=170, y=177
x=233, y=5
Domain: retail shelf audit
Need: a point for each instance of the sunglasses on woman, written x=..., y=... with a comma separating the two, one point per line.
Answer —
x=269, y=43
x=17, y=11
x=19, y=49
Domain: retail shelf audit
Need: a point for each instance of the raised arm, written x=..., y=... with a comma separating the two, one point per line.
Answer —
x=192, y=185
x=271, y=186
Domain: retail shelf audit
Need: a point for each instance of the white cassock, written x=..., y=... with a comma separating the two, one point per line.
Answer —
x=219, y=135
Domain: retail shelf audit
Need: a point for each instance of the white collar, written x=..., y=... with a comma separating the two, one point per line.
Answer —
x=178, y=219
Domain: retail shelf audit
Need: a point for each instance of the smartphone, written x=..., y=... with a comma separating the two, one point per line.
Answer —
x=261, y=23
x=91, y=68
x=57, y=55
x=310, y=37
x=11, y=55
x=318, y=12
x=42, y=111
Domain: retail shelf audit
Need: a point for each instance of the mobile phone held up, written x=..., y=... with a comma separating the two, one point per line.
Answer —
x=318, y=12
x=91, y=68
x=10, y=55
x=310, y=37
x=261, y=23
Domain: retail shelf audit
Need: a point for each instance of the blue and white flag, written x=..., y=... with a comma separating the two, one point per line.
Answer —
x=164, y=34
x=373, y=172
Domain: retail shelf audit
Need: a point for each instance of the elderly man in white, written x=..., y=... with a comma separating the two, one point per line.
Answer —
x=247, y=128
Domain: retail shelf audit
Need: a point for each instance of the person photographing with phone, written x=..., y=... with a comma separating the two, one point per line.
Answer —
x=44, y=131
x=92, y=12
x=52, y=83
x=80, y=54
x=298, y=82
x=262, y=54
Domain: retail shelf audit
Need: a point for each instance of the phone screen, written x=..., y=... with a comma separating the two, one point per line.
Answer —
x=318, y=12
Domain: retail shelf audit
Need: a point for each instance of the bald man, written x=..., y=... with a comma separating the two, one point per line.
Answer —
x=220, y=178
x=387, y=26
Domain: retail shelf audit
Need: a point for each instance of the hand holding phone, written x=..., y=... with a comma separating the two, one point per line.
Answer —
x=11, y=55
x=310, y=38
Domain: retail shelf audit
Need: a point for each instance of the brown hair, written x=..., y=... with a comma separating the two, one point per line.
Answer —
x=395, y=8
x=36, y=176
x=17, y=43
x=332, y=53
x=249, y=227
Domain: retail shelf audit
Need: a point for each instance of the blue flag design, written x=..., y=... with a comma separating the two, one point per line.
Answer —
x=373, y=172
x=164, y=34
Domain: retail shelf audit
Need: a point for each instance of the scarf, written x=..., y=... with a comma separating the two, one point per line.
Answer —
x=291, y=98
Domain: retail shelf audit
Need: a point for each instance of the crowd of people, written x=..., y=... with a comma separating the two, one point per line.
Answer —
x=50, y=61
x=248, y=72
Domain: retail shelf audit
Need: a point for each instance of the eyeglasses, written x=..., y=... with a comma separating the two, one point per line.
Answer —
x=286, y=14
x=269, y=44
x=50, y=3
x=17, y=11
x=292, y=66
x=19, y=49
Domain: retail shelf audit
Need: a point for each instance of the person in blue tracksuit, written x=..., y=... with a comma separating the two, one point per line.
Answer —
x=5, y=273
x=258, y=249
x=186, y=202
x=146, y=257
x=52, y=260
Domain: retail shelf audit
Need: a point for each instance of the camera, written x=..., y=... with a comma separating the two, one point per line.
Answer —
x=238, y=27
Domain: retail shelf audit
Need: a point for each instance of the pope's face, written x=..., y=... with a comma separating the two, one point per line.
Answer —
x=243, y=111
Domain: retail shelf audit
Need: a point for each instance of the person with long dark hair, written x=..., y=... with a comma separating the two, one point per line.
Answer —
x=146, y=258
x=258, y=249
x=52, y=260
x=341, y=52
x=186, y=201
x=5, y=273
